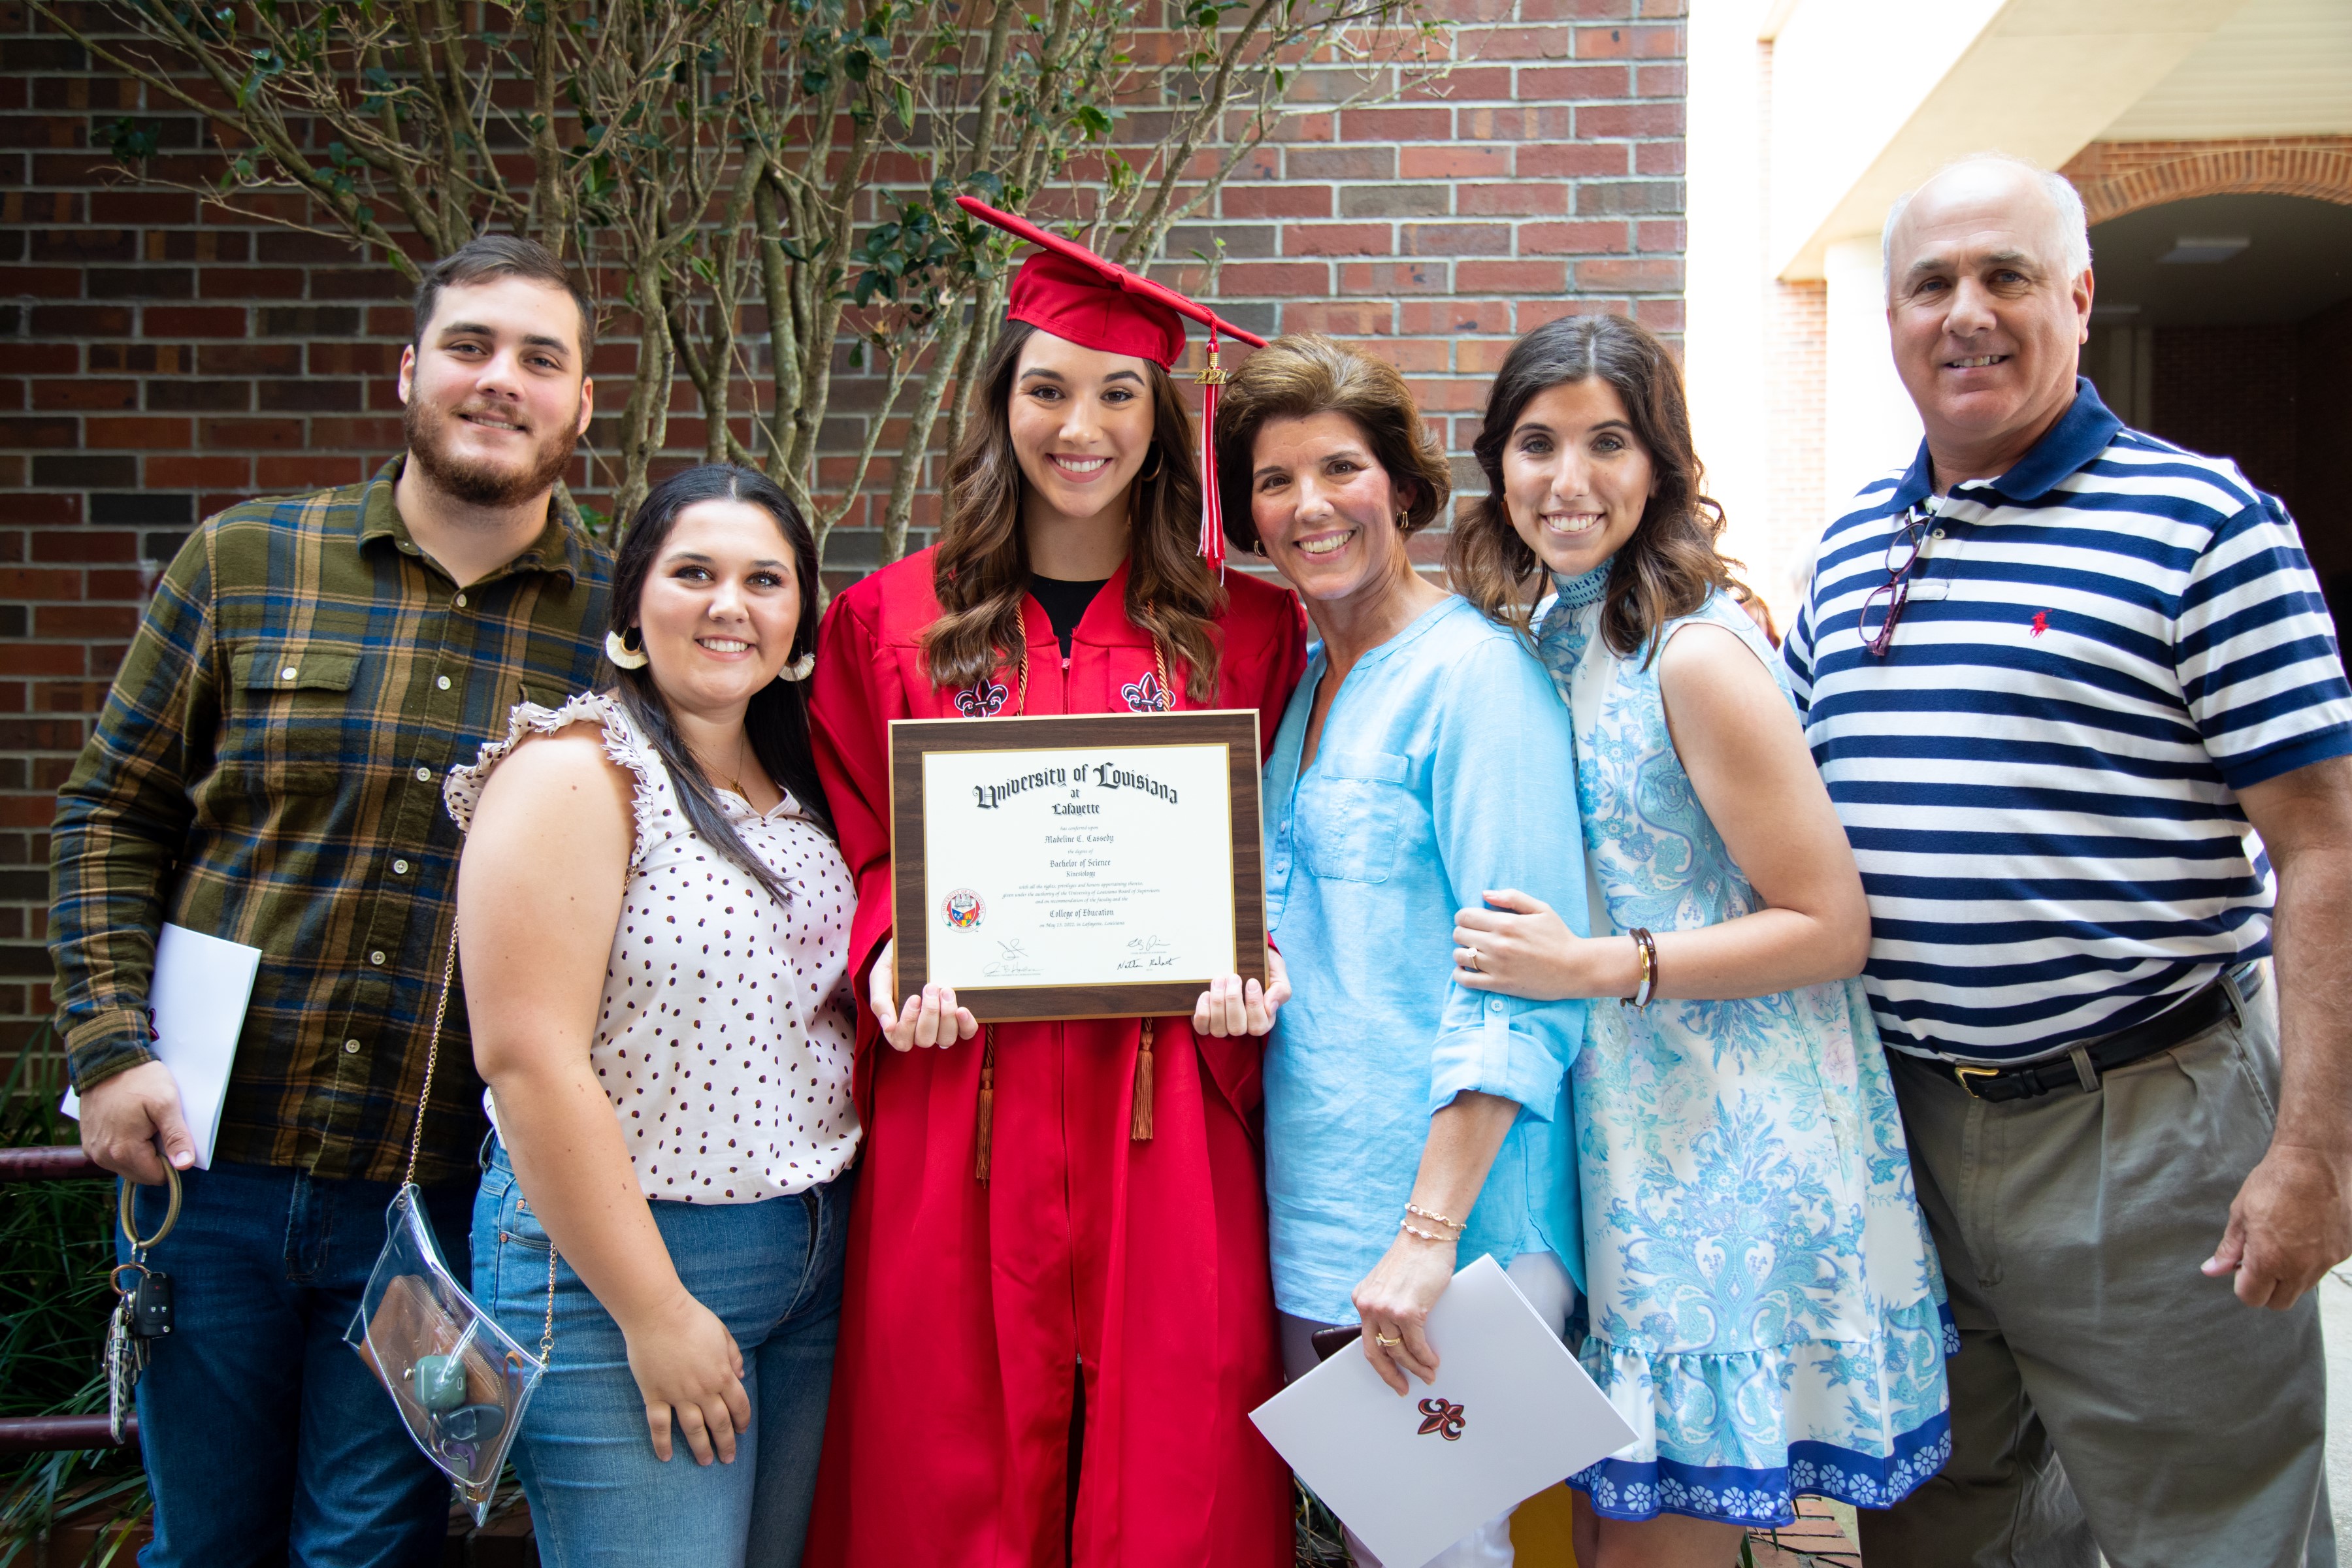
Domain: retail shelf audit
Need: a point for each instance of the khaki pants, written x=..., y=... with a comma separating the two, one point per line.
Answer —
x=2107, y=1396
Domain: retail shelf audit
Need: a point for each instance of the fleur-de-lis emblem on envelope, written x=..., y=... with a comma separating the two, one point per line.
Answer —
x=1444, y=1417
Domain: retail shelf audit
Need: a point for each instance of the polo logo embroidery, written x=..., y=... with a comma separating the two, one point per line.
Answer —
x=1443, y=1419
x=1146, y=695
x=983, y=699
x=2041, y=622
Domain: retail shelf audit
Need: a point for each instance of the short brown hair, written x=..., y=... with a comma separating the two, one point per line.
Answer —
x=1670, y=564
x=504, y=255
x=1301, y=375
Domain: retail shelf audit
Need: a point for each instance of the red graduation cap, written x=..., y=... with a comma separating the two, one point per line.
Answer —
x=1068, y=291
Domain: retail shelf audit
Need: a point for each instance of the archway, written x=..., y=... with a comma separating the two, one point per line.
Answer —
x=2224, y=322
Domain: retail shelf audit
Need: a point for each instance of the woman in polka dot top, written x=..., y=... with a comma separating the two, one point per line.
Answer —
x=656, y=923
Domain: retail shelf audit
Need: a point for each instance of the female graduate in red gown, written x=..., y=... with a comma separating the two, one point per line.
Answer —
x=1044, y=1202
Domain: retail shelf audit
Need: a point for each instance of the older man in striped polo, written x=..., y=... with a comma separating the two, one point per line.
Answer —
x=2054, y=673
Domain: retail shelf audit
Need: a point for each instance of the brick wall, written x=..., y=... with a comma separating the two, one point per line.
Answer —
x=2117, y=177
x=158, y=362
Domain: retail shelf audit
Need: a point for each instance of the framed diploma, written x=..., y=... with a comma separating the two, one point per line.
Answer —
x=1082, y=866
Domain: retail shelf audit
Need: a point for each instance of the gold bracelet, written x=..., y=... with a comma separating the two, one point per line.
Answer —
x=1434, y=1216
x=1411, y=1229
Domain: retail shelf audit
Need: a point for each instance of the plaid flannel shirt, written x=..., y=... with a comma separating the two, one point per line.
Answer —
x=267, y=769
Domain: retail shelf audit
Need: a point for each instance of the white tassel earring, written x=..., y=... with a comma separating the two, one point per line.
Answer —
x=623, y=653
x=800, y=668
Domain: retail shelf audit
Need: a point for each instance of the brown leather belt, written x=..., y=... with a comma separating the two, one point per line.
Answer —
x=2083, y=1066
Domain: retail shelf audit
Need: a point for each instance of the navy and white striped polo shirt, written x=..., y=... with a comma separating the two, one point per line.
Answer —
x=2099, y=648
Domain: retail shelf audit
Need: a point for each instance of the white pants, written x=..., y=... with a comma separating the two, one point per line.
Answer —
x=1543, y=1280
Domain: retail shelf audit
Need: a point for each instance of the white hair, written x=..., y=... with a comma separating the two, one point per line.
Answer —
x=2073, y=223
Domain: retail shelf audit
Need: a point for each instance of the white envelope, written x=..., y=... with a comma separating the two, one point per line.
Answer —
x=1511, y=1412
x=195, y=1010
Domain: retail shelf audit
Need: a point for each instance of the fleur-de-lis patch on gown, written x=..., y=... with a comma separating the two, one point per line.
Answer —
x=1146, y=695
x=1443, y=1417
x=983, y=699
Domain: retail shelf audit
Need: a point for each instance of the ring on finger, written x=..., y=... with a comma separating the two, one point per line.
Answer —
x=1385, y=1341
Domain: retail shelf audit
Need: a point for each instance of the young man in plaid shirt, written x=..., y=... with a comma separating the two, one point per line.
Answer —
x=267, y=769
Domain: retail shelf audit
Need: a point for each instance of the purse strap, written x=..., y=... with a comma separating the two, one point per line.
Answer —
x=417, y=1133
x=431, y=1054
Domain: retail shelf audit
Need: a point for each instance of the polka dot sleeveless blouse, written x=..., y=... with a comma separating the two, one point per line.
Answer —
x=724, y=1036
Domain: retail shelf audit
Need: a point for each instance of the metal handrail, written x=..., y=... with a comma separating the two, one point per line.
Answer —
x=55, y=1163
x=51, y=1433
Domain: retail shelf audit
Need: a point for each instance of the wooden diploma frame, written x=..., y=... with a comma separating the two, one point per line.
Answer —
x=1094, y=866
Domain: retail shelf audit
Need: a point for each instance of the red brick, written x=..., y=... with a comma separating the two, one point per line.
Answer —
x=291, y=476
x=1339, y=162
x=159, y=434
x=1630, y=276
x=84, y=545
x=1520, y=198
x=231, y=474
x=1511, y=277
x=1454, y=163
x=1376, y=279
x=1341, y=318
x=1604, y=237
x=1562, y=84
x=1629, y=43
x=1396, y=125
x=1337, y=239
x=1597, y=121
x=85, y=394
x=77, y=621
x=1568, y=160
x=1456, y=239
x=39, y=359
x=1286, y=279
x=1533, y=314
x=1524, y=43
x=1274, y=201
x=43, y=658
x=197, y=321
x=253, y=435
x=1445, y=318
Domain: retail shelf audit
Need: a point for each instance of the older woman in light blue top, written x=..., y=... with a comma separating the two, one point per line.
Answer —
x=1411, y=1124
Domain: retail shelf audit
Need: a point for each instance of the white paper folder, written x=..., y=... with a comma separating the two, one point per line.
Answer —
x=1510, y=1414
x=195, y=1005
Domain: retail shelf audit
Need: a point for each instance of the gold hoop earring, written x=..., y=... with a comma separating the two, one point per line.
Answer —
x=1158, y=461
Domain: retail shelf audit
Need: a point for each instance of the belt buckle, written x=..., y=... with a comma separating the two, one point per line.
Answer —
x=1965, y=1073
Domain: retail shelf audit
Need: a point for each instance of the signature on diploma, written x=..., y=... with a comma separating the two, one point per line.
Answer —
x=1148, y=953
x=1012, y=961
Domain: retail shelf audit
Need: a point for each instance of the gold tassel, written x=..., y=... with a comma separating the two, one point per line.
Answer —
x=987, y=1103
x=1140, y=1129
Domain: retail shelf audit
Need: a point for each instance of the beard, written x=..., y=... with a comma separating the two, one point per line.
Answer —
x=429, y=433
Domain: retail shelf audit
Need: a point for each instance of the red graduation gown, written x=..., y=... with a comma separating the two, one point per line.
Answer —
x=968, y=1309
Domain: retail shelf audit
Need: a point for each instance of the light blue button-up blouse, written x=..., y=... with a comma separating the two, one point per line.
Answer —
x=1446, y=769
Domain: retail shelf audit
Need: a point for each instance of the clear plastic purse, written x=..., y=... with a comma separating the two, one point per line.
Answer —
x=458, y=1380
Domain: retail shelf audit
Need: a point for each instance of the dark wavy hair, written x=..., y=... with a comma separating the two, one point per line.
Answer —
x=1669, y=564
x=980, y=569
x=1301, y=375
x=777, y=721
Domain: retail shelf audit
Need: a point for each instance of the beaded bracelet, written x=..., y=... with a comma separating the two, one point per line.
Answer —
x=1432, y=1215
x=1411, y=1229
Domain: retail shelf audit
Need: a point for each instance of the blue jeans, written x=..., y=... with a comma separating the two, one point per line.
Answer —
x=772, y=1272
x=266, y=1440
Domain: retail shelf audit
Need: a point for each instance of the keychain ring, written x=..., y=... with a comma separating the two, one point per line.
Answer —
x=171, y=1214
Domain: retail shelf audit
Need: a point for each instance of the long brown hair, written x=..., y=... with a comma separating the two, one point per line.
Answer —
x=1669, y=564
x=980, y=569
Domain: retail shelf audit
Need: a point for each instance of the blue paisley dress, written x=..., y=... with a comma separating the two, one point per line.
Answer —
x=1765, y=1305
